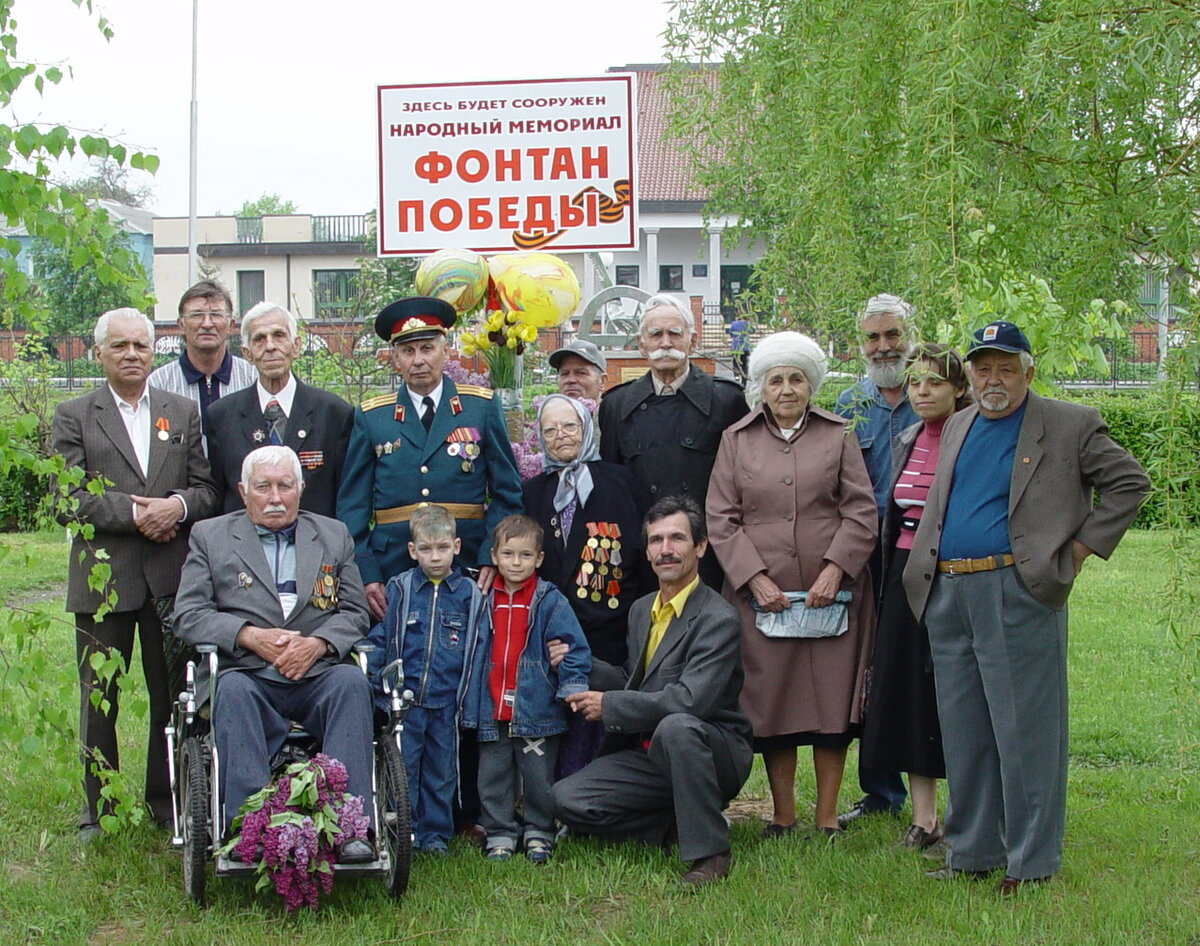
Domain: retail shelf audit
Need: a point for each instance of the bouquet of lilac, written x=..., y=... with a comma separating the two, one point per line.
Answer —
x=527, y=450
x=299, y=819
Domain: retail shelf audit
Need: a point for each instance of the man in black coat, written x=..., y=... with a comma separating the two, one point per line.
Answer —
x=666, y=425
x=281, y=410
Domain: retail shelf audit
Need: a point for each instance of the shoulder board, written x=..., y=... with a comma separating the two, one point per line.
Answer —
x=381, y=401
x=475, y=390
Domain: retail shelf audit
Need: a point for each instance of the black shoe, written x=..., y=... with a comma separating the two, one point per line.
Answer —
x=355, y=851
x=860, y=809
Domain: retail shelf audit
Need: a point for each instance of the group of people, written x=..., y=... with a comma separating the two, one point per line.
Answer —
x=700, y=573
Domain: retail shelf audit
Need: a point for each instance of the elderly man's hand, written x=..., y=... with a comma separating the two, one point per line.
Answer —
x=267, y=642
x=376, y=599
x=588, y=703
x=299, y=653
x=767, y=594
x=158, y=519
x=487, y=575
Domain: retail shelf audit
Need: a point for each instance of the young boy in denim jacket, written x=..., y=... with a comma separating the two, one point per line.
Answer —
x=515, y=700
x=431, y=624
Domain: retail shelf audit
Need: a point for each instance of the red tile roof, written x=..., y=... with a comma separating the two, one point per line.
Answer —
x=663, y=171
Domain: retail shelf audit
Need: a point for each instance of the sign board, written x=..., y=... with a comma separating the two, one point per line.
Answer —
x=508, y=166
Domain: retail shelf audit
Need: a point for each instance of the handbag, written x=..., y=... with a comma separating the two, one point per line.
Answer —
x=802, y=621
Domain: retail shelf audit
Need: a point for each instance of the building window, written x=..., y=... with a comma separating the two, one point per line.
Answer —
x=335, y=293
x=670, y=278
x=627, y=276
x=700, y=270
x=251, y=289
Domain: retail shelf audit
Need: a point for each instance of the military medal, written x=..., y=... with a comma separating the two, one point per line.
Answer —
x=455, y=405
x=399, y=415
x=244, y=580
x=301, y=434
x=164, y=428
x=325, y=589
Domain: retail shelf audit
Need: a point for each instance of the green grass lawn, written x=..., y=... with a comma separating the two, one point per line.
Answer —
x=1131, y=871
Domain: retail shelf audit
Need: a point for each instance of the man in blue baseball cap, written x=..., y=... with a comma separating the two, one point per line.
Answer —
x=1026, y=489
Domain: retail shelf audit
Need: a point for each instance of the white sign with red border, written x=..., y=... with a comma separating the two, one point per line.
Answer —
x=508, y=166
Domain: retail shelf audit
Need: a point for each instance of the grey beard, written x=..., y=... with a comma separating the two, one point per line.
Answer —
x=886, y=375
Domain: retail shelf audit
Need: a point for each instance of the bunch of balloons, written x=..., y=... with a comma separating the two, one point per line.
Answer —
x=523, y=292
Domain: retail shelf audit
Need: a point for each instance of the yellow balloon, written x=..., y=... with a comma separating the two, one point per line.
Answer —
x=539, y=287
x=459, y=277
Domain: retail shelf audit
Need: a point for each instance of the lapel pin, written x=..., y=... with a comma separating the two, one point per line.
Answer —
x=244, y=580
x=1024, y=459
x=258, y=436
x=301, y=434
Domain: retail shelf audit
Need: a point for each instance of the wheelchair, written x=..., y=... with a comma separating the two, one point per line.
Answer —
x=195, y=788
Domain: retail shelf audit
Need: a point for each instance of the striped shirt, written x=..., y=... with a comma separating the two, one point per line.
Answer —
x=912, y=485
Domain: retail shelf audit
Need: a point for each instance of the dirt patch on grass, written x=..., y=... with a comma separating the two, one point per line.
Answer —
x=116, y=933
x=749, y=808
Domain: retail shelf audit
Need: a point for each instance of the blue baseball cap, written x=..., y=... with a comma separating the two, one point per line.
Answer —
x=1000, y=336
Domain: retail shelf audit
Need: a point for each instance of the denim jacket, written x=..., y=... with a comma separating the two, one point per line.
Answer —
x=539, y=710
x=448, y=613
x=876, y=425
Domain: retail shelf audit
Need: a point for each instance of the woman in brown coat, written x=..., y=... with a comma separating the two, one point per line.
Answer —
x=790, y=509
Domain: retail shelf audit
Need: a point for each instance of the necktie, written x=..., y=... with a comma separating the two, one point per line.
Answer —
x=427, y=417
x=276, y=421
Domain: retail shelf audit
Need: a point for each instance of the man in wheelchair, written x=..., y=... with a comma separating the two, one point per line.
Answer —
x=277, y=591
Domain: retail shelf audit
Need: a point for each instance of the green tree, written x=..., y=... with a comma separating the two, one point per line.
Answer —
x=871, y=145
x=74, y=295
x=30, y=200
x=266, y=204
x=108, y=180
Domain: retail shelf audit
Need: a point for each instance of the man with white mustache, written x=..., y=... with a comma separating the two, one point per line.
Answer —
x=666, y=425
x=878, y=406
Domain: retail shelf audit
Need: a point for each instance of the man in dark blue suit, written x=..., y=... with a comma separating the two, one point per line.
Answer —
x=431, y=442
x=280, y=410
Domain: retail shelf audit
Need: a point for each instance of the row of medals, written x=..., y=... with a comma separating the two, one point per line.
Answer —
x=600, y=570
x=468, y=451
x=324, y=589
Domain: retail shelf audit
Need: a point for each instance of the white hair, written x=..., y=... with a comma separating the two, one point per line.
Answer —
x=887, y=304
x=1026, y=360
x=664, y=300
x=101, y=331
x=271, y=455
x=785, y=348
x=266, y=308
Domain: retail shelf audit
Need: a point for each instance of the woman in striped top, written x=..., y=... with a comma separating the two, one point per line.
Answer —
x=901, y=731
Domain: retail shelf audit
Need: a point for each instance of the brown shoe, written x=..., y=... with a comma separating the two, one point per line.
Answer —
x=1011, y=885
x=473, y=833
x=705, y=870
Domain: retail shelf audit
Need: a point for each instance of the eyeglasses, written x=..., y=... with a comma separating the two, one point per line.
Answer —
x=567, y=430
x=198, y=318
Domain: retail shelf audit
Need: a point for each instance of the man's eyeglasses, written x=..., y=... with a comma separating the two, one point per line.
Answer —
x=198, y=318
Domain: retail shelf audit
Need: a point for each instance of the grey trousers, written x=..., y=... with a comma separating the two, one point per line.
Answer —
x=686, y=777
x=251, y=717
x=1000, y=669
x=504, y=765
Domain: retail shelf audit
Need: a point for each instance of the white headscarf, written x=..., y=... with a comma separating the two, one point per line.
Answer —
x=575, y=479
x=785, y=348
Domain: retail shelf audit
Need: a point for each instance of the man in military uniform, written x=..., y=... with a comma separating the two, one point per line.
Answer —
x=431, y=442
x=666, y=425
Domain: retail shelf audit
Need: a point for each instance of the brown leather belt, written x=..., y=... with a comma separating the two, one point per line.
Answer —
x=965, y=566
x=385, y=517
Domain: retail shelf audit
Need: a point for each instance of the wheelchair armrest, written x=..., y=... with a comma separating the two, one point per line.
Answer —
x=364, y=647
x=206, y=648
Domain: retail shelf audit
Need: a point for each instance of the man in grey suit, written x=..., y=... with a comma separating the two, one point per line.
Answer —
x=145, y=443
x=1026, y=489
x=279, y=409
x=278, y=592
x=678, y=747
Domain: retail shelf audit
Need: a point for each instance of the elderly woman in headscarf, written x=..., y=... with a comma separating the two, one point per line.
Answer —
x=790, y=510
x=591, y=512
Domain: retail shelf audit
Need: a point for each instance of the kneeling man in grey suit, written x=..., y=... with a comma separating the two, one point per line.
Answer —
x=278, y=592
x=678, y=748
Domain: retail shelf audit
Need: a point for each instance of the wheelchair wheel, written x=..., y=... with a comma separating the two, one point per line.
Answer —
x=392, y=814
x=193, y=776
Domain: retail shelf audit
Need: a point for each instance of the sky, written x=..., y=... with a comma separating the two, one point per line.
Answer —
x=286, y=88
